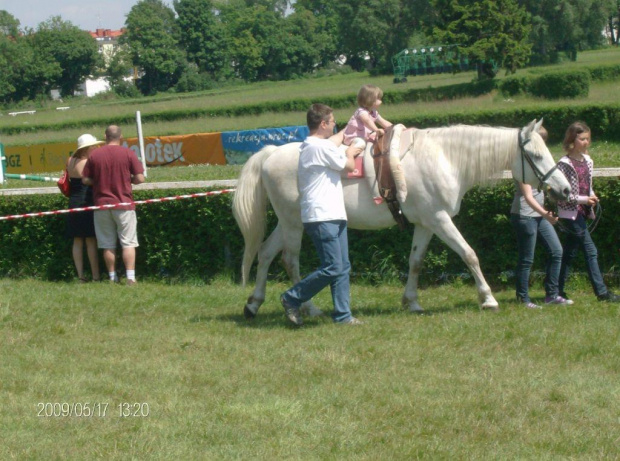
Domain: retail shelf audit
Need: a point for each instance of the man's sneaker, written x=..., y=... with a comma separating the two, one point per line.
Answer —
x=293, y=314
x=558, y=300
x=531, y=305
x=609, y=297
x=131, y=282
x=352, y=321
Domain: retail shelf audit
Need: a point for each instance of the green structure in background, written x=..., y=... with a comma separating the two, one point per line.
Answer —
x=432, y=59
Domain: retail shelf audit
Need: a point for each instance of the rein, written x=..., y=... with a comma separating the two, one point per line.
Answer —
x=590, y=227
x=527, y=156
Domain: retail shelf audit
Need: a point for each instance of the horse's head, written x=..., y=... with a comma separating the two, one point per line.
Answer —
x=534, y=164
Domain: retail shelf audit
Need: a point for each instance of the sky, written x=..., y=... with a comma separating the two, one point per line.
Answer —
x=86, y=14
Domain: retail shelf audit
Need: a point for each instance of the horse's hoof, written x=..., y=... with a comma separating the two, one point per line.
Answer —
x=412, y=307
x=491, y=307
x=248, y=314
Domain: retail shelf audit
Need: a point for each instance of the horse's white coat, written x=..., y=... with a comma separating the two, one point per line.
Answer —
x=441, y=166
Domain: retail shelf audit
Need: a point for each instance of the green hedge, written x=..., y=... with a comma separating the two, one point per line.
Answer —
x=198, y=239
x=552, y=85
x=558, y=84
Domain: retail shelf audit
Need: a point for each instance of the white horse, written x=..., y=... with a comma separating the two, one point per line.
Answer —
x=440, y=166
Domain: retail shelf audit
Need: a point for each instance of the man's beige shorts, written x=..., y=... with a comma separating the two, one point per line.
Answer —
x=112, y=223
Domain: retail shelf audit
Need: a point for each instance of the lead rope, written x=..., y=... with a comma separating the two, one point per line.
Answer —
x=590, y=227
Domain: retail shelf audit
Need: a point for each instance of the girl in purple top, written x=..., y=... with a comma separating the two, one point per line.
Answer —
x=365, y=122
x=578, y=167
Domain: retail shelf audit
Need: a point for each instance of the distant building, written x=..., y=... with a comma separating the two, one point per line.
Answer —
x=107, y=41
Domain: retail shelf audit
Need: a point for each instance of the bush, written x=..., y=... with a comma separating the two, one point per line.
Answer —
x=125, y=89
x=198, y=238
x=192, y=80
x=559, y=85
x=515, y=85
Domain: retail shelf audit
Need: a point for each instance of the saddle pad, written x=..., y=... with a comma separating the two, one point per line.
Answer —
x=358, y=172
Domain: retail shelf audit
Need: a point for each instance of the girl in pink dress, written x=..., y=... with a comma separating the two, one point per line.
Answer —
x=366, y=123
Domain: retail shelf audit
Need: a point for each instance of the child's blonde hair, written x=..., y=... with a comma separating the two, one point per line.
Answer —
x=368, y=95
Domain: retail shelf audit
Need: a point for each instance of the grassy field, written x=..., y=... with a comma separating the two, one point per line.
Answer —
x=175, y=372
x=163, y=371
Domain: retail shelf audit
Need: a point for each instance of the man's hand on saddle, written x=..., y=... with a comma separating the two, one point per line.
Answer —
x=353, y=151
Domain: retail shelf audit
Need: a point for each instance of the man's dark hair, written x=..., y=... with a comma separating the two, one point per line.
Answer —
x=316, y=114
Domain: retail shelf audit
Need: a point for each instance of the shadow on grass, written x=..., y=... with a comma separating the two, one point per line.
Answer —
x=275, y=319
x=269, y=320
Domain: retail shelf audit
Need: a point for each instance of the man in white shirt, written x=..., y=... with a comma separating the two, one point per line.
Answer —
x=324, y=216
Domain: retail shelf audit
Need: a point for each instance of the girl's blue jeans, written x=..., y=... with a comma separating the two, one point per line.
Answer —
x=578, y=238
x=528, y=229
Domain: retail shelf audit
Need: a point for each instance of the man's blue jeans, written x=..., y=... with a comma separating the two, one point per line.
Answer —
x=527, y=231
x=332, y=246
x=578, y=237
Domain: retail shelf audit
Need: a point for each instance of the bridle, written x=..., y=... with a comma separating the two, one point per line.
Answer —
x=543, y=177
x=527, y=157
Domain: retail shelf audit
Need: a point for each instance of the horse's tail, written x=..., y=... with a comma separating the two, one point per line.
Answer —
x=250, y=208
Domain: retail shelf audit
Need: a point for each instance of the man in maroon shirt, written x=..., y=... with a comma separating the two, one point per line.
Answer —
x=111, y=170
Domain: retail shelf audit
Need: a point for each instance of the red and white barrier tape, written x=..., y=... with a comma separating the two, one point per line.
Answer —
x=115, y=205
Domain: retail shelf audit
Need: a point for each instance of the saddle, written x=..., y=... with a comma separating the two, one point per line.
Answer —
x=385, y=178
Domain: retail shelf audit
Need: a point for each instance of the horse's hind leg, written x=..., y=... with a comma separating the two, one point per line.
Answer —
x=421, y=238
x=268, y=250
x=290, y=260
x=447, y=231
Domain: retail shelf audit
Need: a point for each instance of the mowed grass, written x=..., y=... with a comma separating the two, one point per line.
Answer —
x=456, y=383
x=314, y=88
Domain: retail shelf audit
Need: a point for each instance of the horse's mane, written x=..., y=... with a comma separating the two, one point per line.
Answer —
x=476, y=152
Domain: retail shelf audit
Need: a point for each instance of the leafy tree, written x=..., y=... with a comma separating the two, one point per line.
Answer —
x=309, y=44
x=279, y=6
x=29, y=70
x=258, y=43
x=486, y=31
x=326, y=24
x=9, y=25
x=73, y=49
x=371, y=30
x=7, y=76
x=153, y=37
x=201, y=34
x=566, y=26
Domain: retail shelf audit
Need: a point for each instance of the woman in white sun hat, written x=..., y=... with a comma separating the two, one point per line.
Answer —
x=80, y=226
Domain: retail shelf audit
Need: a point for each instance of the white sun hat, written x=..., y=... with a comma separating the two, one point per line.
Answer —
x=86, y=140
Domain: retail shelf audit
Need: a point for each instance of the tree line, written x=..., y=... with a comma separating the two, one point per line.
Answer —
x=198, y=44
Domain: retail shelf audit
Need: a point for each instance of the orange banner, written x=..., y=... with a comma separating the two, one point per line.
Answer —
x=190, y=149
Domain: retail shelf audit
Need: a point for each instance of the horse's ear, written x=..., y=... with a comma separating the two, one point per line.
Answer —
x=527, y=131
x=538, y=125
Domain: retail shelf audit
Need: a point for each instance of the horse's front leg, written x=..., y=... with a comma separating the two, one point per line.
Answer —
x=268, y=250
x=290, y=258
x=447, y=231
x=421, y=238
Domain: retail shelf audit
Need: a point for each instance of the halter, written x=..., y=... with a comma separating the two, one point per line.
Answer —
x=527, y=156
